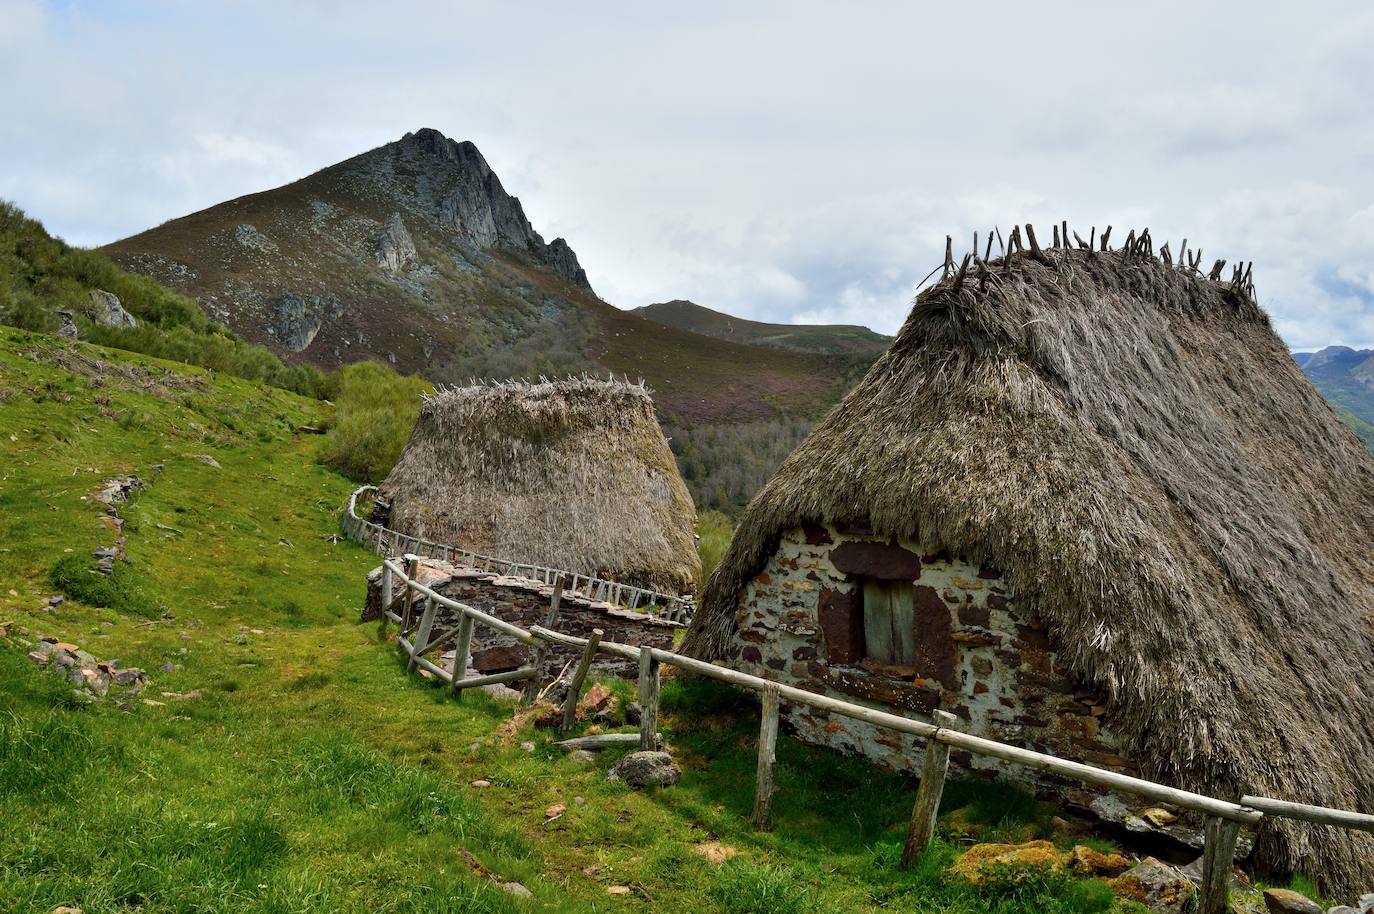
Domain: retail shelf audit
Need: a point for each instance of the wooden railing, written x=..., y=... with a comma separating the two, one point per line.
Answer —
x=387, y=542
x=1222, y=817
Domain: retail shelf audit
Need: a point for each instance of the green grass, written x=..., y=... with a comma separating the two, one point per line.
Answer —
x=312, y=773
x=714, y=532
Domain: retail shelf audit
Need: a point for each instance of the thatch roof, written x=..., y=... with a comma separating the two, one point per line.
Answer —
x=1134, y=447
x=572, y=474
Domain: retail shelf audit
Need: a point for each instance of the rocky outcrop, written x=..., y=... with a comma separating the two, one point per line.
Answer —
x=107, y=311
x=249, y=236
x=394, y=248
x=296, y=319
x=466, y=198
x=66, y=325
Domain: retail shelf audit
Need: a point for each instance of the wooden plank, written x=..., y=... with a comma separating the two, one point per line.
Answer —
x=648, y=697
x=422, y=663
x=541, y=648
x=927, y=806
x=422, y=636
x=462, y=649
x=1321, y=815
x=768, y=757
x=510, y=676
x=1218, y=855
x=579, y=677
x=603, y=741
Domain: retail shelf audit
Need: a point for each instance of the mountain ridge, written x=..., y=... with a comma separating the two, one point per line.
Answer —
x=816, y=338
x=415, y=254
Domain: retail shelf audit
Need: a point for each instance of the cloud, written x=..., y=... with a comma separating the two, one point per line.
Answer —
x=783, y=161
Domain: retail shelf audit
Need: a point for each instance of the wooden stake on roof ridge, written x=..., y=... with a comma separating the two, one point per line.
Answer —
x=1128, y=248
x=949, y=255
x=1000, y=246
x=988, y=253
x=1105, y=235
x=1034, y=245
x=1217, y=267
x=1055, y=243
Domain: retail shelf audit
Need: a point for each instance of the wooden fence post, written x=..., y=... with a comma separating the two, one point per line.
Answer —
x=1218, y=854
x=461, y=651
x=386, y=593
x=541, y=650
x=579, y=677
x=648, y=699
x=768, y=757
x=422, y=636
x=927, y=806
x=405, y=610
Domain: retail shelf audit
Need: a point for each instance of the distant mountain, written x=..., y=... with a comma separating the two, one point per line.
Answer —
x=819, y=338
x=1345, y=377
x=414, y=253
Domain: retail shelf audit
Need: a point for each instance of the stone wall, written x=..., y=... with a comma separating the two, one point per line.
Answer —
x=524, y=602
x=977, y=655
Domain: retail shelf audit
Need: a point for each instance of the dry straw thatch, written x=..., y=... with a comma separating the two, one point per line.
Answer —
x=1134, y=446
x=571, y=474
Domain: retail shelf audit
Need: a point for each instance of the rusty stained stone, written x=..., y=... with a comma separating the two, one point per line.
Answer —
x=997, y=601
x=935, y=656
x=880, y=561
x=751, y=654
x=776, y=663
x=982, y=666
x=816, y=535
x=1032, y=636
x=752, y=636
x=842, y=623
x=980, y=688
x=805, y=652
x=763, y=579
x=974, y=615
x=989, y=572
x=876, y=688
x=500, y=659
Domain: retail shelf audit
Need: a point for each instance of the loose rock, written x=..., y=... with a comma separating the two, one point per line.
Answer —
x=1155, y=884
x=1084, y=861
x=1286, y=901
x=646, y=769
x=517, y=889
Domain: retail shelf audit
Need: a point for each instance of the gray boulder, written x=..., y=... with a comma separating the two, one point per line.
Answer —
x=1158, y=886
x=1286, y=901
x=249, y=236
x=107, y=311
x=66, y=325
x=646, y=769
x=295, y=321
x=394, y=248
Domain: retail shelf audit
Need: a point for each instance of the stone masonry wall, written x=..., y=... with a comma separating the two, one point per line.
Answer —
x=977, y=656
x=524, y=602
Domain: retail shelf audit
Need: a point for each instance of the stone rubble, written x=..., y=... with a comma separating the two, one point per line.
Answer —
x=90, y=676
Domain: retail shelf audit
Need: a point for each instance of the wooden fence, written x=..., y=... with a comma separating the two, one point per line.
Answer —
x=387, y=542
x=1222, y=817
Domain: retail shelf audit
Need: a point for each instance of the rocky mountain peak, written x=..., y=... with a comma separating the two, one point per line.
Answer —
x=450, y=186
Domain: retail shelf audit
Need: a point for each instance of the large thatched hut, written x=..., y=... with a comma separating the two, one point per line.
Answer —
x=572, y=474
x=1088, y=503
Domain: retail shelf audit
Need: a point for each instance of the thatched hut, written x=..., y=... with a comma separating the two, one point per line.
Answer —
x=572, y=474
x=1088, y=503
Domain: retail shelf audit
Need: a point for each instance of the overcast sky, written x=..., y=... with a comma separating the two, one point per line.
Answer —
x=789, y=162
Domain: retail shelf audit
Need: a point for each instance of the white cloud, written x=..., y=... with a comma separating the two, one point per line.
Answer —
x=784, y=161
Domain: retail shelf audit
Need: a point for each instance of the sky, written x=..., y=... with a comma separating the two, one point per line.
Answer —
x=790, y=162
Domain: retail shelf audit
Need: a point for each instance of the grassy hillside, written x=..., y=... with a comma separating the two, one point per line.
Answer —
x=283, y=760
x=41, y=276
x=823, y=338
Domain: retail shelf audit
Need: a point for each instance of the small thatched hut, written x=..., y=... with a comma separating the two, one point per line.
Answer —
x=571, y=474
x=1088, y=503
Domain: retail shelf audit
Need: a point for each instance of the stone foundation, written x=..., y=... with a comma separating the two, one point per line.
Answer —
x=524, y=602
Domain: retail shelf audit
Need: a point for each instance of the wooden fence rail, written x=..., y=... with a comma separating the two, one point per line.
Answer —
x=388, y=542
x=1222, y=817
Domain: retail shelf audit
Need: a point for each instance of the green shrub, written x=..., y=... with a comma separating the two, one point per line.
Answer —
x=374, y=411
x=714, y=532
